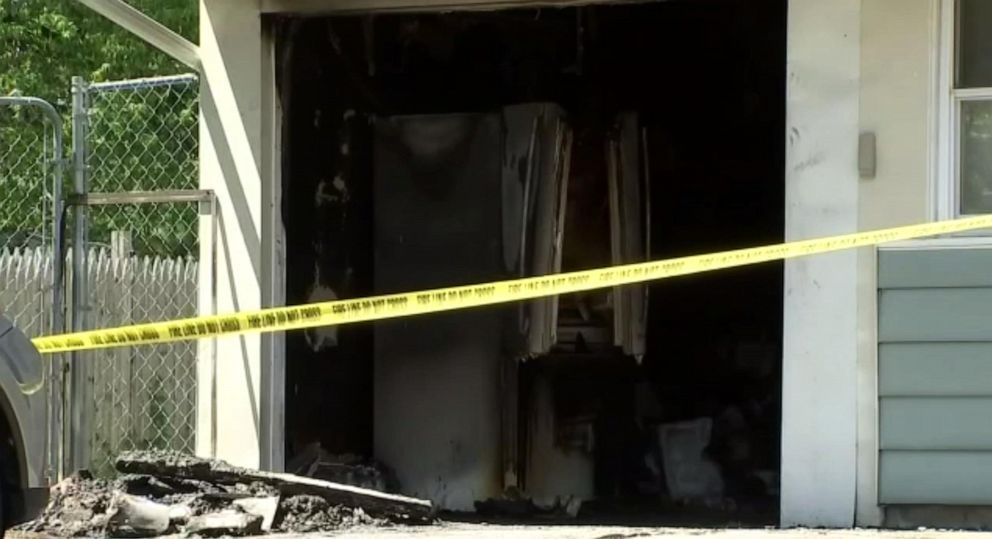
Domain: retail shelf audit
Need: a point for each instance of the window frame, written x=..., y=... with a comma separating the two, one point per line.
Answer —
x=947, y=173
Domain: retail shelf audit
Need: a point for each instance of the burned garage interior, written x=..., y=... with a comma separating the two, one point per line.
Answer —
x=424, y=150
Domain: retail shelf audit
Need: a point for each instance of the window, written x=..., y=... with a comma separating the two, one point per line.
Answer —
x=969, y=73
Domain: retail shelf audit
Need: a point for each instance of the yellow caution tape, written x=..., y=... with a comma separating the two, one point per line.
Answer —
x=462, y=297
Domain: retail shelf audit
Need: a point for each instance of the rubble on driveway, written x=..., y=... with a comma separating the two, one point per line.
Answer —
x=314, y=461
x=163, y=493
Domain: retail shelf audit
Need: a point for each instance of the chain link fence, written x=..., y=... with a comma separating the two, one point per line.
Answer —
x=31, y=203
x=30, y=166
x=142, y=136
x=141, y=215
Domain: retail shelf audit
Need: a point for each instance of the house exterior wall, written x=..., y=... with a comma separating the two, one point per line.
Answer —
x=933, y=367
x=897, y=104
x=820, y=306
x=853, y=65
x=935, y=345
x=920, y=454
x=239, y=392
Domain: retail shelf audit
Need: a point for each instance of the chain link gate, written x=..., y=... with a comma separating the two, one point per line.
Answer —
x=31, y=175
x=138, y=210
x=31, y=224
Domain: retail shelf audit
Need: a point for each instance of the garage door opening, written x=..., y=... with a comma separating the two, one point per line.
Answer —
x=435, y=149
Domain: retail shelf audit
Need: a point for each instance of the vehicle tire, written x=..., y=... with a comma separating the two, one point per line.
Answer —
x=7, y=488
x=3, y=504
x=11, y=497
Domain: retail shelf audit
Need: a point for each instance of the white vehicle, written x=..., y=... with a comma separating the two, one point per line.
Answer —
x=23, y=426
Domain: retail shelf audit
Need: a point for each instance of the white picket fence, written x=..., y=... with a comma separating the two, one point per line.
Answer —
x=25, y=288
x=142, y=397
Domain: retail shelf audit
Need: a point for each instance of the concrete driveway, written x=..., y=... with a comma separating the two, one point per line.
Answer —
x=477, y=531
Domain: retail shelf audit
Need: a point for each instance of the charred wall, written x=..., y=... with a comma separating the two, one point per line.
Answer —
x=707, y=79
x=328, y=215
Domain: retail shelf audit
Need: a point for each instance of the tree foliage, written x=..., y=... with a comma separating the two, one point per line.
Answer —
x=141, y=139
x=44, y=43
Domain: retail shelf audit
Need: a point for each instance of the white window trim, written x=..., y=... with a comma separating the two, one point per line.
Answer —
x=943, y=184
x=946, y=173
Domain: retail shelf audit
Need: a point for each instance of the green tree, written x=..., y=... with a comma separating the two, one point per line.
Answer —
x=139, y=140
x=43, y=43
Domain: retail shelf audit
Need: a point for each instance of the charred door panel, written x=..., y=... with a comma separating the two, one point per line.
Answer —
x=437, y=223
x=462, y=198
x=629, y=220
x=535, y=177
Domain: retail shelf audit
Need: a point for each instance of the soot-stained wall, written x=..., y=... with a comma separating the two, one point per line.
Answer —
x=328, y=219
x=706, y=78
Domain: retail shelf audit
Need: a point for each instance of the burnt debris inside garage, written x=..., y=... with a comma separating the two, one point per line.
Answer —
x=435, y=149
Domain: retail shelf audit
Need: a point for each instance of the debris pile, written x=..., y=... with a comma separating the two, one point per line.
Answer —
x=314, y=461
x=160, y=493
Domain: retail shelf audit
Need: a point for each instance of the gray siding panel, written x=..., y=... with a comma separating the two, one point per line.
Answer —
x=935, y=268
x=935, y=369
x=936, y=423
x=935, y=477
x=935, y=314
x=935, y=376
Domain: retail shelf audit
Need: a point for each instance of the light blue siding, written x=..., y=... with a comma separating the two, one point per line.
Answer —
x=935, y=423
x=935, y=477
x=935, y=376
x=935, y=268
x=935, y=314
x=924, y=369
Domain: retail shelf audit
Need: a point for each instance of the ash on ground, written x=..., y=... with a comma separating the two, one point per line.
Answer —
x=177, y=494
x=78, y=507
x=305, y=513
